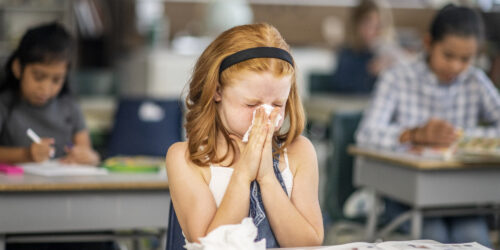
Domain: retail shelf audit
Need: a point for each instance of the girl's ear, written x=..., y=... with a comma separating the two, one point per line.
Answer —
x=218, y=94
x=16, y=68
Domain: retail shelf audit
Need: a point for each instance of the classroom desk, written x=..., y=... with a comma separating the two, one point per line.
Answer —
x=36, y=204
x=431, y=187
x=320, y=107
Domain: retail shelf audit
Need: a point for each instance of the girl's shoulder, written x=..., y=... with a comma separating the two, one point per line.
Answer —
x=177, y=160
x=177, y=154
x=68, y=100
x=301, y=152
x=299, y=144
x=6, y=101
x=6, y=97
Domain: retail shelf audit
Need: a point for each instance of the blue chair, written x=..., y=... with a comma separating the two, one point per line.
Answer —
x=319, y=83
x=175, y=239
x=339, y=184
x=145, y=126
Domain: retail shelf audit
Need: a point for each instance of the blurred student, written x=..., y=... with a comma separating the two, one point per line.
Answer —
x=370, y=48
x=428, y=101
x=35, y=94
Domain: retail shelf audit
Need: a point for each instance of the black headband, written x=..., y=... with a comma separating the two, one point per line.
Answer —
x=258, y=52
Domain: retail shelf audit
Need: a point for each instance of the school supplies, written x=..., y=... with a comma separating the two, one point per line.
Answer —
x=56, y=168
x=10, y=169
x=33, y=136
x=478, y=149
x=408, y=245
x=134, y=164
x=36, y=139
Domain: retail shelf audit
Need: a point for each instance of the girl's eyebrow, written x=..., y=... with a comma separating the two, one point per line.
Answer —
x=251, y=99
x=38, y=72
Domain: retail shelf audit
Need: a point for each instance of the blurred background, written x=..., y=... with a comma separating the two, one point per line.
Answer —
x=147, y=48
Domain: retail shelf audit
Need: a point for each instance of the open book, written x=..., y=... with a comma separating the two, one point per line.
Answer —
x=466, y=149
x=56, y=168
x=408, y=245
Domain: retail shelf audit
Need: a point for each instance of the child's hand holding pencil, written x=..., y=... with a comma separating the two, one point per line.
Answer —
x=42, y=148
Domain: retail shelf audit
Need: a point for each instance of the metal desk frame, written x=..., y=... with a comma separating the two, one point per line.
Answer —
x=30, y=205
x=429, y=187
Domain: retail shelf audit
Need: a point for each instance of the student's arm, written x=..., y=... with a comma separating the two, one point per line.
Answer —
x=376, y=128
x=490, y=109
x=194, y=204
x=14, y=154
x=81, y=151
x=36, y=152
x=296, y=221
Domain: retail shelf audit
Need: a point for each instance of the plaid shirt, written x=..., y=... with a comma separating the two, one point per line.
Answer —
x=408, y=95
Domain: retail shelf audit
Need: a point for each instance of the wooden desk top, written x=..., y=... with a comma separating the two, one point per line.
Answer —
x=112, y=181
x=416, y=161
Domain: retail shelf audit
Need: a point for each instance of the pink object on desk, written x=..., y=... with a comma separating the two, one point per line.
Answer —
x=10, y=169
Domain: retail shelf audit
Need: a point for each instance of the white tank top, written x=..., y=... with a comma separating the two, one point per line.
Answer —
x=220, y=177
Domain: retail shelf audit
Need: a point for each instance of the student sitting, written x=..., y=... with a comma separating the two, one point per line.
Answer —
x=428, y=101
x=35, y=94
x=370, y=48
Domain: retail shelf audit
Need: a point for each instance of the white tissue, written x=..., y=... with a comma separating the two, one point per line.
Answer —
x=268, y=109
x=229, y=237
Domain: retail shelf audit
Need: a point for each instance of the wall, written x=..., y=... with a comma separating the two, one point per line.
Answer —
x=300, y=25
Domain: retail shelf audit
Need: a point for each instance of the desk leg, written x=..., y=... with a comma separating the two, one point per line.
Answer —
x=416, y=224
x=163, y=239
x=2, y=242
x=371, y=224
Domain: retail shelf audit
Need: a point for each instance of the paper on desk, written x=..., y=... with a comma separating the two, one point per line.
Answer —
x=408, y=245
x=56, y=168
x=230, y=237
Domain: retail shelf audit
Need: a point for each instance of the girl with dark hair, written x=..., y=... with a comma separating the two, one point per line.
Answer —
x=431, y=101
x=35, y=94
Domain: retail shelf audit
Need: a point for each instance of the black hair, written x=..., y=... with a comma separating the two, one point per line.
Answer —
x=46, y=43
x=458, y=21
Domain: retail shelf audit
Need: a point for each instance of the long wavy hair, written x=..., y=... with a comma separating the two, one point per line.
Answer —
x=203, y=122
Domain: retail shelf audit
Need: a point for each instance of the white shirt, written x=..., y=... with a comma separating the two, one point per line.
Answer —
x=220, y=177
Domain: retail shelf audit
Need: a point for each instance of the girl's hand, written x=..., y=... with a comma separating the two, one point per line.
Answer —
x=251, y=152
x=78, y=154
x=435, y=132
x=42, y=151
x=266, y=169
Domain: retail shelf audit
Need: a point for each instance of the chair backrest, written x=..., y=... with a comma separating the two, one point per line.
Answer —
x=145, y=126
x=175, y=239
x=339, y=170
x=319, y=82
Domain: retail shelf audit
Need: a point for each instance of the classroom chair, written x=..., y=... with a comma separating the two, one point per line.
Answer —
x=145, y=126
x=319, y=82
x=175, y=238
x=328, y=83
x=339, y=170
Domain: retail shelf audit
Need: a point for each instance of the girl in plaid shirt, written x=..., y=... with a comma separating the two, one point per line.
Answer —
x=427, y=102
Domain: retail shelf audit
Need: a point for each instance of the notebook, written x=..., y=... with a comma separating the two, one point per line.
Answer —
x=56, y=168
x=408, y=245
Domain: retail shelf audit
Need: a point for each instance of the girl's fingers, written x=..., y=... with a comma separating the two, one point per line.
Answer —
x=275, y=116
x=258, y=124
